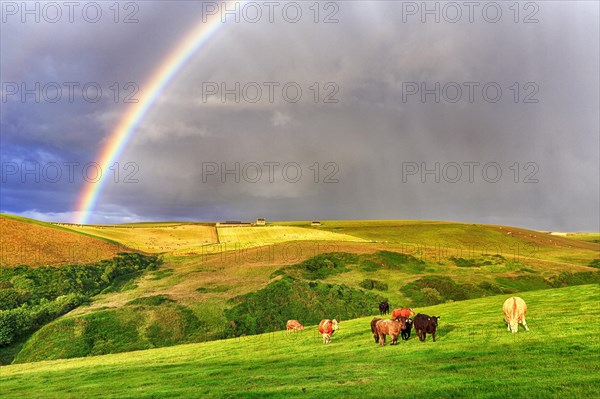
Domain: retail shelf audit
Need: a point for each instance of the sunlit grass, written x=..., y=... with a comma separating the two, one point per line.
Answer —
x=474, y=356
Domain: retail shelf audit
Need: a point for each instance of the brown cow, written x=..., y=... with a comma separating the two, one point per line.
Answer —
x=327, y=328
x=404, y=312
x=515, y=309
x=293, y=325
x=374, y=328
x=424, y=325
x=391, y=328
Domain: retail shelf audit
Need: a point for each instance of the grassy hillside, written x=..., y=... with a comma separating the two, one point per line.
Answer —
x=409, y=263
x=473, y=357
x=270, y=234
x=181, y=238
x=589, y=237
x=30, y=242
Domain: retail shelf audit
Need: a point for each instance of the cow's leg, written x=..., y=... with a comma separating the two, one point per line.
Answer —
x=381, y=339
x=433, y=336
x=525, y=324
x=508, y=326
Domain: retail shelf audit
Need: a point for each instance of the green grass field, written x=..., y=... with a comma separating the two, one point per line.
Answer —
x=474, y=357
x=205, y=270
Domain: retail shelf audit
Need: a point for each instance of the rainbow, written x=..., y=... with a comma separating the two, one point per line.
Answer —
x=124, y=131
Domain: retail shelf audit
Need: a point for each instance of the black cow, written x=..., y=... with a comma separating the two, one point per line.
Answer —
x=384, y=308
x=424, y=325
x=405, y=332
x=374, y=329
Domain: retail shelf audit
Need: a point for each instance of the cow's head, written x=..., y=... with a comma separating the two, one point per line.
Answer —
x=434, y=320
x=412, y=312
x=514, y=325
x=403, y=321
x=335, y=325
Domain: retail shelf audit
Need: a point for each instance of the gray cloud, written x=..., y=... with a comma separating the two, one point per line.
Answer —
x=369, y=134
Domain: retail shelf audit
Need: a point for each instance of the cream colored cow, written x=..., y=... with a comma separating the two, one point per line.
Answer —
x=515, y=309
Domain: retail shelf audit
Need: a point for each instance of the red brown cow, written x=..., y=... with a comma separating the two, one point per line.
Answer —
x=374, y=328
x=389, y=327
x=424, y=325
x=293, y=325
x=327, y=328
x=404, y=312
x=515, y=309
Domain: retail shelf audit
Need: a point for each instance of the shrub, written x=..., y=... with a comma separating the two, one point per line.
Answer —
x=400, y=261
x=13, y=298
x=432, y=296
x=462, y=262
x=595, y=263
x=32, y=297
x=565, y=279
x=154, y=300
x=269, y=308
x=12, y=324
x=321, y=266
x=370, y=284
x=447, y=288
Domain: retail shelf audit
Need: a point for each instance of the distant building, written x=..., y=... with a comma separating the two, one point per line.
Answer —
x=261, y=222
x=315, y=223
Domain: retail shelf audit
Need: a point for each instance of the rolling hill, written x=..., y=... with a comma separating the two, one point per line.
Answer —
x=207, y=275
x=30, y=242
x=474, y=357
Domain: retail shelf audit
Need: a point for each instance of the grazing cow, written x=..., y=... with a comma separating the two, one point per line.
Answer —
x=515, y=309
x=327, y=328
x=384, y=308
x=374, y=328
x=425, y=325
x=404, y=312
x=405, y=332
x=389, y=327
x=293, y=325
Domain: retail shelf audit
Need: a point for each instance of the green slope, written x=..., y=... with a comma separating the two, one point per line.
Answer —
x=473, y=357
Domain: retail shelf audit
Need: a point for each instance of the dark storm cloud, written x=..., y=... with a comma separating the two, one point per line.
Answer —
x=365, y=139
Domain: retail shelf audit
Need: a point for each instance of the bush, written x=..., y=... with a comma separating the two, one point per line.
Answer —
x=154, y=300
x=11, y=298
x=369, y=284
x=566, y=279
x=269, y=308
x=399, y=261
x=12, y=324
x=462, y=262
x=320, y=267
x=484, y=260
x=432, y=296
x=32, y=297
x=595, y=263
x=420, y=293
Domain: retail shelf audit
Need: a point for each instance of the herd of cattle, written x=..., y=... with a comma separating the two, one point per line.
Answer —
x=401, y=324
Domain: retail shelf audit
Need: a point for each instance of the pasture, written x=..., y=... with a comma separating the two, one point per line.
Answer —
x=180, y=238
x=271, y=234
x=474, y=357
x=30, y=242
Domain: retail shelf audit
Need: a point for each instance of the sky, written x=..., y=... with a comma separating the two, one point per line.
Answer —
x=487, y=113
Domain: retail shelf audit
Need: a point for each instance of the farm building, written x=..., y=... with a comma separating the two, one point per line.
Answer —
x=261, y=222
x=315, y=223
